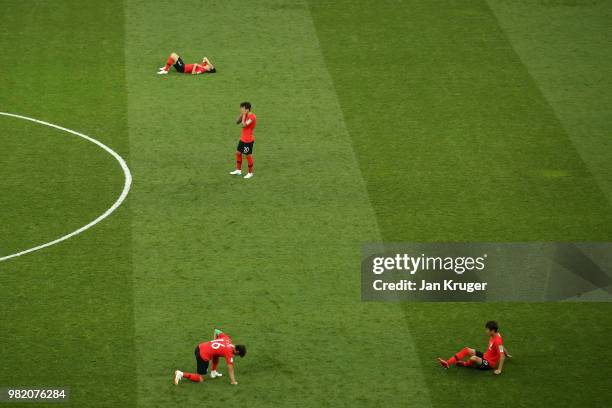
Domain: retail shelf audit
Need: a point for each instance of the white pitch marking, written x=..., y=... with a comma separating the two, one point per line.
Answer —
x=124, y=193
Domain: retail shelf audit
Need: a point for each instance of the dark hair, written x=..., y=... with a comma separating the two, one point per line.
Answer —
x=212, y=71
x=246, y=105
x=240, y=350
x=492, y=325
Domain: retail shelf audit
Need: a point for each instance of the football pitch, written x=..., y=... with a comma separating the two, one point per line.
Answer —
x=377, y=121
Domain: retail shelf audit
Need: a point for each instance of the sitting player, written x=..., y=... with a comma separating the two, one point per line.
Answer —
x=493, y=358
x=221, y=346
x=195, y=69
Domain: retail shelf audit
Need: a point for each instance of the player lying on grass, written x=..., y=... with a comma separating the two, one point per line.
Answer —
x=493, y=358
x=221, y=346
x=195, y=69
x=247, y=120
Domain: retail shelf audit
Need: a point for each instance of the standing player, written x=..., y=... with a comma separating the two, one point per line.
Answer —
x=195, y=69
x=493, y=358
x=221, y=346
x=247, y=120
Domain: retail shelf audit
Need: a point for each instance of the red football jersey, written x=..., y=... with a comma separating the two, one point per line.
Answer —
x=200, y=69
x=220, y=347
x=247, y=131
x=495, y=349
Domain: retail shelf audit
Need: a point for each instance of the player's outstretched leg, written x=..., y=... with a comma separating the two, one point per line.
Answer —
x=178, y=375
x=171, y=61
x=193, y=377
x=238, y=170
x=466, y=351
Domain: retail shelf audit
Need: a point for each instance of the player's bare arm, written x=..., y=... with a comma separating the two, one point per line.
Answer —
x=207, y=64
x=241, y=117
x=202, y=68
x=246, y=122
x=232, y=377
x=194, y=70
x=198, y=69
x=500, y=365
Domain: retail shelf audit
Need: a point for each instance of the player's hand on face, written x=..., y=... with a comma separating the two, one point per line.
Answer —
x=497, y=372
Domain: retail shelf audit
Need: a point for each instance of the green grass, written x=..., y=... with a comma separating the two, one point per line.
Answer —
x=473, y=142
x=67, y=310
x=377, y=121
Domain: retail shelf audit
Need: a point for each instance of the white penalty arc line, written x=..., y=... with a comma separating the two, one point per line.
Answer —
x=124, y=193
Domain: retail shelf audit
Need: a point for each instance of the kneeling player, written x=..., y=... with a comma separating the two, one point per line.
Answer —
x=493, y=358
x=195, y=69
x=221, y=346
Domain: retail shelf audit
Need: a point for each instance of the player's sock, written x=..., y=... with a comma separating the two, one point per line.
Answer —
x=250, y=161
x=169, y=63
x=459, y=356
x=467, y=363
x=193, y=377
x=238, y=161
